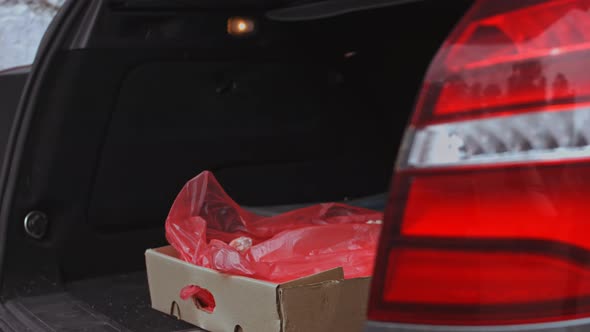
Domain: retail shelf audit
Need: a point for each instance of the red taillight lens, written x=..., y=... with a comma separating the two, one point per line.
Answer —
x=516, y=60
x=489, y=217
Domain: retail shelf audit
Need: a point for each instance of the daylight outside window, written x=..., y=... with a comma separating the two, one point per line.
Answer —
x=22, y=25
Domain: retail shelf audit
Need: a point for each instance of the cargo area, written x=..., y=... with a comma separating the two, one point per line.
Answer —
x=301, y=112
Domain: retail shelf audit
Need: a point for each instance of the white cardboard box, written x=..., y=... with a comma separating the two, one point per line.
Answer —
x=318, y=303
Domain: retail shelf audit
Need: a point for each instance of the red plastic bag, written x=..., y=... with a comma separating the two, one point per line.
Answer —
x=204, y=220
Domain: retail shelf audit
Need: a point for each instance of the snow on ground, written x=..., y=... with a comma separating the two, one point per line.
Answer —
x=22, y=25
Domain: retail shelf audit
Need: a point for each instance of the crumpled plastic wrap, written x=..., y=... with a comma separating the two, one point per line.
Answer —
x=209, y=229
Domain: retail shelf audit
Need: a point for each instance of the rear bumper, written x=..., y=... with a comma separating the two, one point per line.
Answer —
x=579, y=325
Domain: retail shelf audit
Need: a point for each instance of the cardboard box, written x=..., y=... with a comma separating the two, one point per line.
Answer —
x=318, y=303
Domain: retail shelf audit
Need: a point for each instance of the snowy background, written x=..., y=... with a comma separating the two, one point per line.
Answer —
x=22, y=25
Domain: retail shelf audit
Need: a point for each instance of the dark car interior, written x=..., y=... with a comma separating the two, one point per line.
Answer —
x=141, y=96
x=12, y=83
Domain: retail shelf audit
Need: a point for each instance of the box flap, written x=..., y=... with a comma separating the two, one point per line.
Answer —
x=333, y=274
x=310, y=308
x=352, y=305
x=330, y=305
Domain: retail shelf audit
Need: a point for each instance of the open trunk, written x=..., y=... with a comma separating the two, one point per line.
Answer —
x=130, y=99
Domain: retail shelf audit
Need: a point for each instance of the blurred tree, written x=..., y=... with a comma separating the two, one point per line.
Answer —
x=22, y=25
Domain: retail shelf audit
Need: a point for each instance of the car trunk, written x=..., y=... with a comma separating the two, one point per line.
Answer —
x=137, y=100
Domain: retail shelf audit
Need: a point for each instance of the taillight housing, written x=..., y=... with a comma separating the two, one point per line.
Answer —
x=489, y=216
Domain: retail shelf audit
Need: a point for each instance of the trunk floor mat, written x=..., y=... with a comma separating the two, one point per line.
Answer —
x=110, y=304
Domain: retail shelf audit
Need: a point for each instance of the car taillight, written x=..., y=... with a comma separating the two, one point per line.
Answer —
x=489, y=216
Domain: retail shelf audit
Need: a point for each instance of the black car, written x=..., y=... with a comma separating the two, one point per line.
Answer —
x=295, y=102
